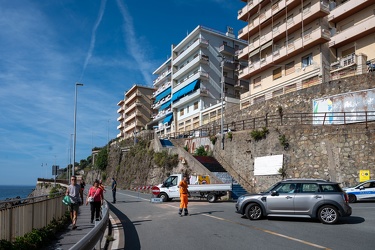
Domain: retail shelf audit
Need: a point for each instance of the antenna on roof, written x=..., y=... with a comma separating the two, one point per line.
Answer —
x=229, y=32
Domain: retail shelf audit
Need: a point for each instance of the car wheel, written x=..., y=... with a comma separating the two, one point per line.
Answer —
x=328, y=214
x=352, y=198
x=164, y=197
x=211, y=197
x=254, y=212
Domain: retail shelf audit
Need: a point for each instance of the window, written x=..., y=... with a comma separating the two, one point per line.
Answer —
x=277, y=92
x=306, y=60
x=277, y=73
x=309, y=188
x=225, y=43
x=289, y=68
x=187, y=109
x=195, y=105
x=257, y=81
x=181, y=112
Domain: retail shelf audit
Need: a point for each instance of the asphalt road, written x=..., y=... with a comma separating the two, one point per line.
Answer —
x=216, y=226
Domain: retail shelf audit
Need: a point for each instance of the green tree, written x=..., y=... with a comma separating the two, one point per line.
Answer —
x=102, y=159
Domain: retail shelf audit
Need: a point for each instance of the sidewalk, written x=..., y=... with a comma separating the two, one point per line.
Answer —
x=69, y=237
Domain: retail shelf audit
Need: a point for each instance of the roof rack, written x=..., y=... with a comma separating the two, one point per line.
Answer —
x=304, y=179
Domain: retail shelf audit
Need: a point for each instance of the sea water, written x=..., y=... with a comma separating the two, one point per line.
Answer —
x=12, y=191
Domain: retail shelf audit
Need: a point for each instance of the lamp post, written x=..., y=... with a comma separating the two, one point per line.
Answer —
x=75, y=126
x=222, y=100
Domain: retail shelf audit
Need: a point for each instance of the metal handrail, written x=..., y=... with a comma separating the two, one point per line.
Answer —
x=95, y=236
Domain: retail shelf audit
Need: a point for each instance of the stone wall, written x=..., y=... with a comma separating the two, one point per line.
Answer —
x=335, y=152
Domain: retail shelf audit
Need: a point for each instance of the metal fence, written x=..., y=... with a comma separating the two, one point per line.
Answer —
x=276, y=120
x=20, y=216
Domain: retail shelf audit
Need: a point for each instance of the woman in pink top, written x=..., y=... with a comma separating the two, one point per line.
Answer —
x=96, y=192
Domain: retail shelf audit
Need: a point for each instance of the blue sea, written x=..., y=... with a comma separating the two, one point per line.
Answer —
x=12, y=191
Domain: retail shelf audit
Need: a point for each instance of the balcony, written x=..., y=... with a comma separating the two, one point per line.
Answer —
x=161, y=89
x=353, y=33
x=347, y=9
x=241, y=84
x=225, y=49
x=120, y=118
x=229, y=80
x=120, y=110
x=121, y=126
x=296, y=47
x=187, y=52
x=162, y=76
x=242, y=13
x=309, y=14
x=347, y=61
x=193, y=64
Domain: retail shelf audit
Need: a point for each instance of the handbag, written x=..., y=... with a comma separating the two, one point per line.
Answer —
x=91, y=198
x=67, y=200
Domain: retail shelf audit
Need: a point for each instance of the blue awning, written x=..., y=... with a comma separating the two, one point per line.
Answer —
x=168, y=118
x=165, y=105
x=163, y=94
x=186, y=90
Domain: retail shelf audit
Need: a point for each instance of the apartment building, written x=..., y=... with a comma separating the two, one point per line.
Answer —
x=352, y=45
x=189, y=83
x=294, y=44
x=135, y=110
x=288, y=44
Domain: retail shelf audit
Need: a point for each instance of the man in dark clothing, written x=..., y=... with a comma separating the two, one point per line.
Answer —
x=114, y=185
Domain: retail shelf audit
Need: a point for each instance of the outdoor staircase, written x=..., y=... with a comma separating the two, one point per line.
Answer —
x=237, y=191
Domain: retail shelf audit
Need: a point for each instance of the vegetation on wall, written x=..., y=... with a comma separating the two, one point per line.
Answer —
x=200, y=151
x=258, y=135
x=230, y=135
x=284, y=141
x=163, y=159
x=101, y=160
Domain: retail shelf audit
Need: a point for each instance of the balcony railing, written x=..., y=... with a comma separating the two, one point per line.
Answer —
x=183, y=54
x=358, y=30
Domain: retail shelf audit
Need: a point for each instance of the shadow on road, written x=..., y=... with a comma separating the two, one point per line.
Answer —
x=131, y=236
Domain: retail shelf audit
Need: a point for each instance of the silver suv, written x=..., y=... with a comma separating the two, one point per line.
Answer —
x=306, y=198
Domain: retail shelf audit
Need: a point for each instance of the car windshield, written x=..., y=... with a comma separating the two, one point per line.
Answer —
x=272, y=187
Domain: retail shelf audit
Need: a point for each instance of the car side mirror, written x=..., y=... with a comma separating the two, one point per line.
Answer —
x=361, y=187
x=274, y=193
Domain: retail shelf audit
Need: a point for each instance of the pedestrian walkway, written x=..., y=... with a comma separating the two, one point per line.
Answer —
x=69, y=237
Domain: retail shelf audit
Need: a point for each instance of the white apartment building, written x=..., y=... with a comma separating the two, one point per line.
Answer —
x=294, y=44
x=189, y=82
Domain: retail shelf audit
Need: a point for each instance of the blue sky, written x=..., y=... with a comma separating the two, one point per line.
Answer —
x=48, y=46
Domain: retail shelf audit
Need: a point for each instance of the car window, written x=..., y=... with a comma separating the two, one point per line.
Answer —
x=286, y=188
x=367, y=185
x=330, y=188
x=309, y=188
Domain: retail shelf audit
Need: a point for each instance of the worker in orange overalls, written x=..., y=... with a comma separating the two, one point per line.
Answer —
x=183, y=186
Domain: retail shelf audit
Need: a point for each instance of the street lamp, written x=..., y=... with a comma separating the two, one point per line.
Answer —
x=75, y=126
x=222, y=100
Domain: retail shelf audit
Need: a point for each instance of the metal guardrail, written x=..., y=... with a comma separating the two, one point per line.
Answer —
x=95, y=236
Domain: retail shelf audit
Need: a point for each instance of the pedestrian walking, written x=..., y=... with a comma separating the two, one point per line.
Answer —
x=101, y=186
x=73, y=191
x=82, y=184
x=114, y=186
x=184, y=193
x=95, y=198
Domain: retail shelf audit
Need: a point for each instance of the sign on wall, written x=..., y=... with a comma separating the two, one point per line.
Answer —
x=364, y=175
x=268, y=165
x=354, y=102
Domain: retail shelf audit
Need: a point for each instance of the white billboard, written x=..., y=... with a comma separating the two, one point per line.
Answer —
x=268, y=165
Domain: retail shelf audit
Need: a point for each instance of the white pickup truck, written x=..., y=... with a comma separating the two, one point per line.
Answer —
x=211, y=192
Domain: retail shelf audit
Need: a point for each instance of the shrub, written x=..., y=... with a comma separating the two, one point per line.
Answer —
x=258, y=135
x=200, y=151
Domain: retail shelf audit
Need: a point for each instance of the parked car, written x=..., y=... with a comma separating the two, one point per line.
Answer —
x=306, y=198
x=361, y=192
